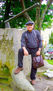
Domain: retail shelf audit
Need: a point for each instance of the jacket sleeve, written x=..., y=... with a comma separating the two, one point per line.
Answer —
x=39, y=38
x=23, y=43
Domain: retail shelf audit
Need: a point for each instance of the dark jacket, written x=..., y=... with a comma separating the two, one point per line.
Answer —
x=31, y=39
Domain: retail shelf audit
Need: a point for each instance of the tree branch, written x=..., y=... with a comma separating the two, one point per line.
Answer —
x=21, y=13
x=37, y=21
x=7, y=10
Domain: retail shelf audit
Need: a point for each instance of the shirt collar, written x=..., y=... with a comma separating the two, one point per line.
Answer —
x=29, y=32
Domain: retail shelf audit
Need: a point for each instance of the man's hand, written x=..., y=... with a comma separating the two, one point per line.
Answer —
x=38, y=53
x=25, y=51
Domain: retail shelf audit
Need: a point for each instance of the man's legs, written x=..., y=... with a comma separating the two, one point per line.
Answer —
x=20, y=57
x=33, y=70
x=33, y=75
x=20, y=60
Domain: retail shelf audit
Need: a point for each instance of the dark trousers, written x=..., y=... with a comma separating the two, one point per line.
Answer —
x=20, y=60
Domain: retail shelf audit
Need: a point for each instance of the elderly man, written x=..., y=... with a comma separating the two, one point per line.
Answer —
x=30, y=44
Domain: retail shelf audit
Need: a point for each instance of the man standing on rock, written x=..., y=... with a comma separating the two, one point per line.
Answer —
x=31, y=43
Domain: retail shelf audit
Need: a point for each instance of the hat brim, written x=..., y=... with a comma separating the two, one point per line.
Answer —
x=29, y=23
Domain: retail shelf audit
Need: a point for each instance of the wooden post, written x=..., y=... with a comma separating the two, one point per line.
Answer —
x=7, y=25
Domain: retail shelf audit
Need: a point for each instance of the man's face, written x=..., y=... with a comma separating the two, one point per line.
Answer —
x=30, y=27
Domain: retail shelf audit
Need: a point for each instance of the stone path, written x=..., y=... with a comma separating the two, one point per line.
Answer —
x=43, y=83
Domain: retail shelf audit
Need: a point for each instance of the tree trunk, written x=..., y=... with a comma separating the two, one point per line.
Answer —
x=45, y=10
x=23, y=8
x=37, y=21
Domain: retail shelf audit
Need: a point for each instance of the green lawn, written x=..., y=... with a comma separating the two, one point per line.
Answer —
x=50, y=61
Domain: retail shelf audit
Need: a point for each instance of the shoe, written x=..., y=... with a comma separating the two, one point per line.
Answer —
x=32, y=82
x=18, y=70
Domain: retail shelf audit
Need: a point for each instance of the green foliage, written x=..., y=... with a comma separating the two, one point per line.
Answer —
x=46, y=24
x=51, y=7
x=51, y=38
x=42, y=8
x=47, y=18
x=20, y=21
x=32, y=12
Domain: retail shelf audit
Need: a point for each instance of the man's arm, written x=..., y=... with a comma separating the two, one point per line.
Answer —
x=23, y=44
x=39, y=39
x=40, y=43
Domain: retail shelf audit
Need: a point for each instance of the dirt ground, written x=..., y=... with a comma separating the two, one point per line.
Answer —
x=43, y=83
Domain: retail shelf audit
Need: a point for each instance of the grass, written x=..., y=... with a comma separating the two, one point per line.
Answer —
x=50, y=61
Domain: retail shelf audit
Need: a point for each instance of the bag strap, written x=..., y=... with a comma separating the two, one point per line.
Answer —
x=26, y=38
x=36, y=38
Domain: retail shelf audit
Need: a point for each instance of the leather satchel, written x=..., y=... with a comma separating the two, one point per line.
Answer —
x=38, y=61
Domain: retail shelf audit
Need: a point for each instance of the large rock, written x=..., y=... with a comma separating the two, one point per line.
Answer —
x=10, y=44
x=21, y=82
